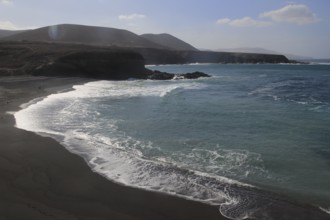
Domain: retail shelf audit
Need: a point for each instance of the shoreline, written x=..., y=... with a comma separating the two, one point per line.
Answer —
x=41, y=179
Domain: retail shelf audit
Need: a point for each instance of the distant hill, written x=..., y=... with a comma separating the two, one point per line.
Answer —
x=7, y=33
x=263, y=51
x=169, y=41
x=248, y=50
x=82, y=34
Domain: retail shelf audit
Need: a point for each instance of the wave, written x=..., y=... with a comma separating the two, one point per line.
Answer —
x=110, y=157
x=326, y=210
x=126, y=160
x=321, y=63
x=310, y=92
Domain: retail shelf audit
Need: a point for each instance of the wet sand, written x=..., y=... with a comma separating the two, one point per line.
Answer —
x=40, y=179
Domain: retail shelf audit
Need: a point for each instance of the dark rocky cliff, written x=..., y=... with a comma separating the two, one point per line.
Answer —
x=70, y=60
x=115, y=65
x=156, y=56
x=50, y=59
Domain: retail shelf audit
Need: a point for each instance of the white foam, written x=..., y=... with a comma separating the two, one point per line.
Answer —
x=131, y=88
x=326, y=210
x=31, y=102
x=118, y=156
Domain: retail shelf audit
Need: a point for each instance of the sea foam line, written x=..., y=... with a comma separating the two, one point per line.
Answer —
x=112, y=160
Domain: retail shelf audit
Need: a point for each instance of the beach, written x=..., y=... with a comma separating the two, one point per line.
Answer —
x=40, y=179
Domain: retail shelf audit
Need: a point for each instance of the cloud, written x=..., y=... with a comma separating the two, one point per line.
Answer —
x=131, y=17
x=223, y=21
x=243, y=22
x=7, y=25
x=6, y=2
x=294, y=13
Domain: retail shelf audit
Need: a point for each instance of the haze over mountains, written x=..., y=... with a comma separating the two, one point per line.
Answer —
x=7, y=33
x=169, y=41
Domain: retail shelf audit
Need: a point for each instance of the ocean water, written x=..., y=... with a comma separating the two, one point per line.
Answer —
x=239, y=139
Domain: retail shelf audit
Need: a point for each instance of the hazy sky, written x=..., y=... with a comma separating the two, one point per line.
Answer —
x=298, y=27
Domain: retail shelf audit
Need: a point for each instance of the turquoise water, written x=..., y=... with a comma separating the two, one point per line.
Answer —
x=248, y=126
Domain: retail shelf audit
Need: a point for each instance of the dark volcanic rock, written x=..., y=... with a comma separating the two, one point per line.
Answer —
x=53, y=59
x=194, y=75
x=113, y=65
x=157, y=75
x=157, y=56
x=69, y=60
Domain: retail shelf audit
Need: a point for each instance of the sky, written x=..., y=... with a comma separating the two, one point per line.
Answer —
x=299, y=27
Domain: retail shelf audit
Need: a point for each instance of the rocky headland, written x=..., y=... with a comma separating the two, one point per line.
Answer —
x=70, y=60
x=106, y=53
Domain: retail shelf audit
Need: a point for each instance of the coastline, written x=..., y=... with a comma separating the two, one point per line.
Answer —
x=40, y=179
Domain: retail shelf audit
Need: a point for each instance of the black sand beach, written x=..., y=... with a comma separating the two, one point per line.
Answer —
x=40, y=179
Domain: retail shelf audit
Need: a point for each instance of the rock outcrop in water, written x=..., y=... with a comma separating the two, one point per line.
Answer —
x=157, y=75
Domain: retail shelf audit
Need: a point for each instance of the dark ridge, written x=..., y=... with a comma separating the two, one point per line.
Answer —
x=54, y=59
x=82, y=34
x=7, y=33
x=169, y=41
x=155, y=49
x=156, y=56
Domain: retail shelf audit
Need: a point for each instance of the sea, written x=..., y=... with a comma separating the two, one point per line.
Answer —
x=249, y=139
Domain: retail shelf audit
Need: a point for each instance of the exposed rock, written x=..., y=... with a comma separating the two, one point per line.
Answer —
x=68, y=60
x=114, y=65
x=52, y=59
x=157, y=75
x=194, y=75
x=156, y=56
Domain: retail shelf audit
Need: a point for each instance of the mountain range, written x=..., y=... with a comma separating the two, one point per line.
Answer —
x=154, y=48
x=91, y=35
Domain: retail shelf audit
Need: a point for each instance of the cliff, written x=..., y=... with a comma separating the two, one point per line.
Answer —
x=70, y=60
x=51, y=59
x=156, y=56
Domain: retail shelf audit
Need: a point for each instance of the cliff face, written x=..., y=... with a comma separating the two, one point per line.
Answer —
x=155, y=56
x=113, y=65
x=69, y=60
x=55, y=59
